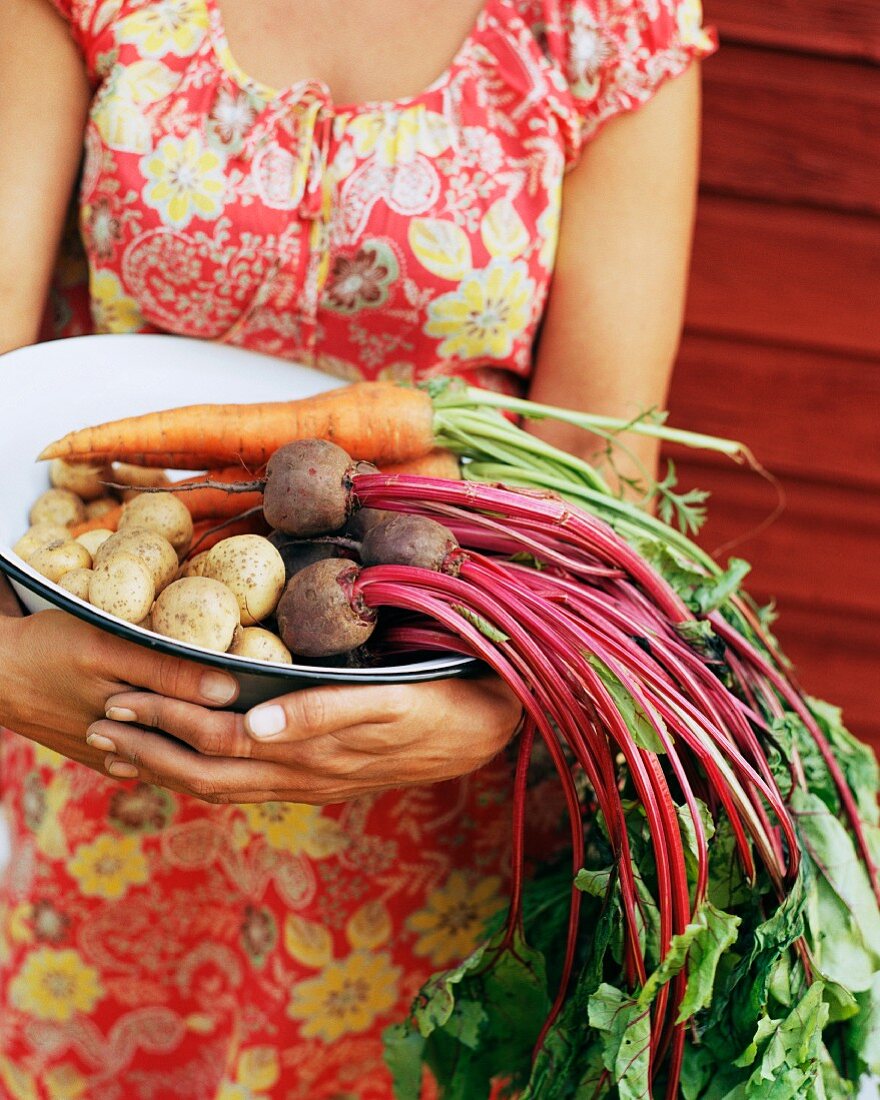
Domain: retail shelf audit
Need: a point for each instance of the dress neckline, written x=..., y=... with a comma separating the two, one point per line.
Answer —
x=312, y=88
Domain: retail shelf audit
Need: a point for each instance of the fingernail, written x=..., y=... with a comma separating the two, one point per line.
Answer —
x=121, y=714
x=266, y=721
x=99, y=741
x=217, y=688
x=122, y=770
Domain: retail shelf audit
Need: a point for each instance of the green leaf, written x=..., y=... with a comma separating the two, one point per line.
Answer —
x=718, y=934
x=483, y=625
x=844, y=921
x=642, y=728
x=403, y=1049
x=790, y=1060
x=699, y=946
x=625, y=1029
x=482, y=1018
x=863, y=1035
x=857, y=760
x=701, y=591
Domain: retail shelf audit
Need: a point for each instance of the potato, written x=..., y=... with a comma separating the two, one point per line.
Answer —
x=259, y=645
x=162, y=513
x=137, y=477
x=77, y=581
x=38, y=536
x=253, y=569
x=100, y=507
x=91, y=540
x=155, y=552
x=193, y=567
x=58, y=558
x=198, y=610
x=85, y=481
x=123, y=586
x=146, y=623
x=59, y=506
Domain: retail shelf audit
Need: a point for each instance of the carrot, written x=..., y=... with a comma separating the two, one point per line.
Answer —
x=376, y=421
x=216, y=503
x=436, y=463
x=109, y=521
x=209, y=532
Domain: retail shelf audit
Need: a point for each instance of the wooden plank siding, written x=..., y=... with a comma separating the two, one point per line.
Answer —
x=829, y=28
x=787, y=129
x=782, y=340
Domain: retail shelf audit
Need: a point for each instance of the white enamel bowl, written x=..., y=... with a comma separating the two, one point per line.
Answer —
x=52, y=388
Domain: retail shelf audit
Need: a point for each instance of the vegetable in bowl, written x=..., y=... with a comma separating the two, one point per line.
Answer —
x=713, y=928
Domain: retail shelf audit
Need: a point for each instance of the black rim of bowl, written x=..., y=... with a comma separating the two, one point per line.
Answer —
x=393, y=674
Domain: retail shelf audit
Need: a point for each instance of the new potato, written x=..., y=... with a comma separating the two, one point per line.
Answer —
x=122, y=585
x=251, y=567
x=58, y=558
x=59, y=506
x=198, y=610
x=162, y=513
x=156, y=552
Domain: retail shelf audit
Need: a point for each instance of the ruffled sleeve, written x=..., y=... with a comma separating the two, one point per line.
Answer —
x=613, y=55
x=81, y=17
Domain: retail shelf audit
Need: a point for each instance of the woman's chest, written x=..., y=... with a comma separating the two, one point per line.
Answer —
x=396, y=237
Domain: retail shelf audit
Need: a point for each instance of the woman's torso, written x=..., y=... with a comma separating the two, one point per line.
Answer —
x=397, y=239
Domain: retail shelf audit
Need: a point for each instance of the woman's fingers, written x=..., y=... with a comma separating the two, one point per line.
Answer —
x=170, y=676
x=156, y=759
x=211, y=732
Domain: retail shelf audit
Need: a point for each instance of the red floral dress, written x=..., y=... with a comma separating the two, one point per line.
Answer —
x=152, y=946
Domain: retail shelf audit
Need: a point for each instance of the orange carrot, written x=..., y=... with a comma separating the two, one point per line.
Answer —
x=436, y=463
x=216, y=503
x=376, y=421
x=209, y=532
x=109, y=521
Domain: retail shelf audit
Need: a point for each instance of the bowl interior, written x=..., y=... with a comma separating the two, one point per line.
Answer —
x=52, y=388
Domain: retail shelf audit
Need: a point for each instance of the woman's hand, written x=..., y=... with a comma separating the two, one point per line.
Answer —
x=58, y=673
x=321, y=745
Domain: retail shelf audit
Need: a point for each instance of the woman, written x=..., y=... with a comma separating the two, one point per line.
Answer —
x=261, y=896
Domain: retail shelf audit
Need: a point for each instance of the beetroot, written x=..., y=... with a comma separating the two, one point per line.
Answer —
x=319, y=615
x=308, y=486
x=401, y=539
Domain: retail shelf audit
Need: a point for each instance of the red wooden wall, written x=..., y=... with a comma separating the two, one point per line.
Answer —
x=782, y=343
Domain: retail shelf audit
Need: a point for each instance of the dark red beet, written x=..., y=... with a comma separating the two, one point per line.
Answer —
x=361, y=520
x=308, y=487
x=316, y=616
x=401, y=539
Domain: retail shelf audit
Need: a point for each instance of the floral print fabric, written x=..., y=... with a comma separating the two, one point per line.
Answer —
x=153, y=947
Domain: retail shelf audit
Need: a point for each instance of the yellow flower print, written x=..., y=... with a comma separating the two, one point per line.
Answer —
x=19, y=1084
x=64, y=1083
x=485, y=314
x=295, y=828
x=184, y=180
x=55, y=985
x=257, y=1071
x=689, y=16
x=112, y=309
x=171, y=26
x=346, y=997
x=397, y=137
x=452, y=923
x=108, y=866
x=548, y=233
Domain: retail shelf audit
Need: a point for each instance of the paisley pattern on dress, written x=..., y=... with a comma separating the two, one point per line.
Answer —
x=153, y=947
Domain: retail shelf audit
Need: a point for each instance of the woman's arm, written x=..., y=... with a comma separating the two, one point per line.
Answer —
x=56, y=672
x=614, y=317
x=609, y=341
x=43, y=103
